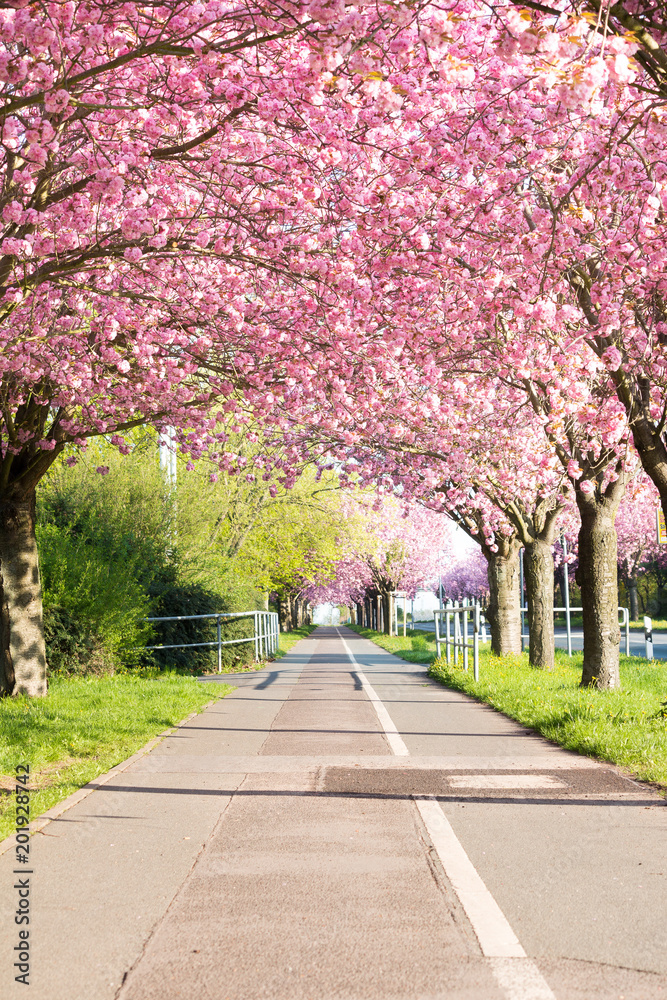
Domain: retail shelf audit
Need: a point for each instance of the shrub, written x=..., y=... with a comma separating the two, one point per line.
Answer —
x=172, y=598
x=94, y=607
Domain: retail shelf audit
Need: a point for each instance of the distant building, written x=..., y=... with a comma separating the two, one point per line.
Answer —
x=425, y=603
x=326, y=614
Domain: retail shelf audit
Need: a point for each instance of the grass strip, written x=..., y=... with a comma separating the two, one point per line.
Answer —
x=289, y=639
x=83, y=727
x=626, y=727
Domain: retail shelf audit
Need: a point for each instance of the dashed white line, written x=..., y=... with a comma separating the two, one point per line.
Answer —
x=395, y=741
x=516, y=974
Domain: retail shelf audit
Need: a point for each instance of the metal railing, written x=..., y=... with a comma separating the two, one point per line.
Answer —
x=567, y=611
x=459, y=640
x=265, y=632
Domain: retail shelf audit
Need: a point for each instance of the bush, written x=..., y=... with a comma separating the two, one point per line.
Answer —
x=171, y=599
x=71, y=648
x=419, y=644
x=94, y=607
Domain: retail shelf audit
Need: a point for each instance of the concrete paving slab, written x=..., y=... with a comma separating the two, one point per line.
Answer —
x=272, y=849
x=313, y=897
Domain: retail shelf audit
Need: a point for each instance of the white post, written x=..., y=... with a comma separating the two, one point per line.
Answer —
x=648, y=637
x=475, y=641
x=464, y=616
x=457, y=634
x=405, y=616
x=436, y=618
x=167, y=452
x=523, y=623
x=566, y=588
x=448, y=632
x=255, y=630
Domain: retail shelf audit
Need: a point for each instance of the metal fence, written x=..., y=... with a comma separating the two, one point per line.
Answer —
x=568, y=611
x=265, y=632
x=459, y=639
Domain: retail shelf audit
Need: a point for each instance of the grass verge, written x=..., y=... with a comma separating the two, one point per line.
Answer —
x=83, y=727
x=626, y=727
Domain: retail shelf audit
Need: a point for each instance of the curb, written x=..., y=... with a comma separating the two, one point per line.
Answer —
x=60, y=807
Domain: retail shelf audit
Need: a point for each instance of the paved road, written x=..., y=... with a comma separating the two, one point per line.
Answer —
x=637, y=643
x=343, y=827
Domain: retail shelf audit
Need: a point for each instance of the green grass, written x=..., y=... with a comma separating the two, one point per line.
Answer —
x=627, y=727
x=659, y=625
x=84, y=726
x=576, y=621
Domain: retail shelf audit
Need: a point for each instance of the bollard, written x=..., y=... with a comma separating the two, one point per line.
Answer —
x=648, y=637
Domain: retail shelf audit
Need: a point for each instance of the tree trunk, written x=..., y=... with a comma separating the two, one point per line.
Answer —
x=285, y=613
x=386, y=614
x=633, y=597
x=503, y=612
x=538, y=565
x=598, y=581
x=22, y=648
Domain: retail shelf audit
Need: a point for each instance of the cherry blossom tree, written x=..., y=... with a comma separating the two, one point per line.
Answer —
x=637, y=537
x=398, y=548
x=518, y=215
x=466, y=577
x=170, y=187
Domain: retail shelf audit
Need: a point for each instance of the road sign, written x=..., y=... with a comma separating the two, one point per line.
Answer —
x=662, y=527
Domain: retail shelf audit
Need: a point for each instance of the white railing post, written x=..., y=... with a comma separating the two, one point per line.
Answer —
x=457, y=634
x=217, y=622
x=255, y=637
x=436, y=618
x=566, y=588
x=448, y=632
x=475, y=646
x=464, y=624
x=523, y=622
x=625, y=622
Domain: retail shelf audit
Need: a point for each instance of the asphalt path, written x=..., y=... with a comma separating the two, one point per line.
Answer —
x=341, y=826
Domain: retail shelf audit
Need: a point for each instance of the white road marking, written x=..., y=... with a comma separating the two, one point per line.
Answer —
x=505, y=781
x=496, y=937
x=516, y=974
x=520, y=979
x=395, y=741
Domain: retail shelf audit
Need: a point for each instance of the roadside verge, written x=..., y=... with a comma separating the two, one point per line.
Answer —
x=626, y=727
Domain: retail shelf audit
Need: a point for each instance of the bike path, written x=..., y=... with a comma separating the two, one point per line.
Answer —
x=273, y=847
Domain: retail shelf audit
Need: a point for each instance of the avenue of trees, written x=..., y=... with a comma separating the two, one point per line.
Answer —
x=422, y=243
